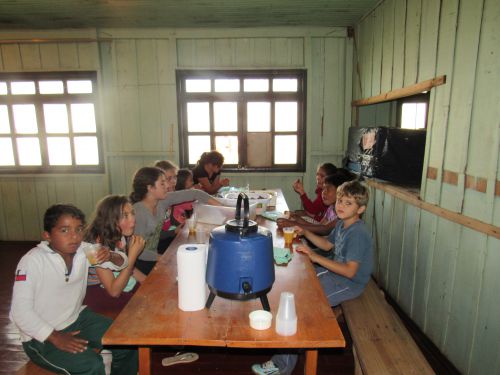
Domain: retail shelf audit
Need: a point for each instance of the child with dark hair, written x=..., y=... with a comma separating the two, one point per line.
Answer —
x=152, y=202
x=329, y=196
x=113, y=225
x=58, y=333
x=315, y=209
x=170, y=169
x=207, y=172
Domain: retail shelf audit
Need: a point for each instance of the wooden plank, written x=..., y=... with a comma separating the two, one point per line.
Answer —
x=429, y=34
x=385, y=239
x=396, y=247
x=12, y=209
x=485, y=349
x=490, y=230
x=149, y=113
x=204, y=53
x=382, y=343
x=403, y=92
x=30, y=56
x=31, y=218
x=129, y=120
x=147, y=62
x=88, y=56
x=49, y=55
x=399, y=44
x=484, y=141
x=388, y=45
x=125, y=62
x=465, y=297
x=424, y=257
x=224, y=50
x=412, y=41
x=296, y=54
x=279, y=51
x=378, y=208
x=378, y=29
x=409, y=257
x=11, y=57
x=68, y=56
x=144, y=360
x=442, y=278
x=311, y=362
x=262, y=54
x=165, y=56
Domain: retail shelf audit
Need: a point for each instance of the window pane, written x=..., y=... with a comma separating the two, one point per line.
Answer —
x=80, y=87
x=285, y=149
x=29, y=151
x=197, y=144
x=256, y=85
x=198, y=116
x=4, y=120
x=83, y=118
x=227, y=146
x=259, y=116
x=3, y=88
x=22, y=88
x=59, y=150
x=25, y=118
x=285, y=116
x=7, y=154
x=56, y=118
x=51, y=87
x=225, y=116
x=413, y=115
x=198, y=85
x=86, y=151
x=285, y=84
x=227, y=85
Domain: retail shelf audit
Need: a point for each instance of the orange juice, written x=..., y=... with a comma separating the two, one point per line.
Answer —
x=288, y=235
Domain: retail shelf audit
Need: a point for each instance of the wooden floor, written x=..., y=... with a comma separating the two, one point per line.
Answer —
x=212, y=360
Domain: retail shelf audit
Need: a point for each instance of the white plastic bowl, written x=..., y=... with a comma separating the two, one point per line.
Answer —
x=260, y=319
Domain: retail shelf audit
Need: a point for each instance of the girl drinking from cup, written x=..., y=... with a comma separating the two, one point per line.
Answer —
x=113, y=226
x=152, y=203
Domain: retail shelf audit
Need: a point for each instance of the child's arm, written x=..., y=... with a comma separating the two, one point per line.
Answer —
x=347, y=269
x=114, y=286
x=212, y=188
x=319, y=241
x=114, y=260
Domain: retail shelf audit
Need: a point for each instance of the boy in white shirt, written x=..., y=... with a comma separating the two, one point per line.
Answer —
x=58, y=333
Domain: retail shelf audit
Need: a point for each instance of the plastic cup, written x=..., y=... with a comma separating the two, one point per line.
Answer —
x=191, y=223
x=286, y=319
x=91, y=253
x=260, y=319
x=288, y=234
x=201, y=236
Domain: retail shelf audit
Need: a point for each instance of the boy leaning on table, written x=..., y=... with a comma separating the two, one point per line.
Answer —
x=58, y=333
x=343, y=278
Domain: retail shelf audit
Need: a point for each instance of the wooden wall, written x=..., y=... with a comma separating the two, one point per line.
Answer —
x=138, y=109
x=443, y=274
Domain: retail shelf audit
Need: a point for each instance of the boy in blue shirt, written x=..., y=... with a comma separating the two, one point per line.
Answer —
x=57, y=332
x=345, y=276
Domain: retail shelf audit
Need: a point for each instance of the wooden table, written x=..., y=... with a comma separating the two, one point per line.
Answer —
x=152, y=317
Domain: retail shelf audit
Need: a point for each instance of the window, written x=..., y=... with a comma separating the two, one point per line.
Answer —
x=256, y=119
x=412, y=111
x=48, y=123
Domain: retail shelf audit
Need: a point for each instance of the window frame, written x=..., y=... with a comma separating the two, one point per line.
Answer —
x=241, y=98
x=423, y=97
x=38, y=100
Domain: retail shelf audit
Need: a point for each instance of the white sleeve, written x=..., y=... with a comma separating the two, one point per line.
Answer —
x=22, y=313
x=113, y=267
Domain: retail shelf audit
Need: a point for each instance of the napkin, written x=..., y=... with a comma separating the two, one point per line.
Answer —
x=282, y=255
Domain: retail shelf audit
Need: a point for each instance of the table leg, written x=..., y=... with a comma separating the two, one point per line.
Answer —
x=144, y=361
x=311, y=362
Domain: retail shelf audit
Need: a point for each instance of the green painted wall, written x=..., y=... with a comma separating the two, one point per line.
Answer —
x=444, y=275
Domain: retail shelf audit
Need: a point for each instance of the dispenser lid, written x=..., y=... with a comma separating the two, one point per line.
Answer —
x=242, y=226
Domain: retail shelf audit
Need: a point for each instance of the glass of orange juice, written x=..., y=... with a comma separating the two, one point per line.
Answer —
x=288, y=235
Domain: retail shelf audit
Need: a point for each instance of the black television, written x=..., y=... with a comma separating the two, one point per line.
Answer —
x=391, y=154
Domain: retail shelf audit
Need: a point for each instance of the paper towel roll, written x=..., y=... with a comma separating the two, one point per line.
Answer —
x=191, y=268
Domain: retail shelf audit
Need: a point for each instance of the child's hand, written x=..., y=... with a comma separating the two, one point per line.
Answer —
x=298, y=187
x=103, y=255
x=304, y=249
x=224, y=182
x=67, y=342
x=299, y=231
x=282, y=223
x=136, y=245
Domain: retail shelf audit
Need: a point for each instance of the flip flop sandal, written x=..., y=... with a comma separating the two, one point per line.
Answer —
x=180, y=358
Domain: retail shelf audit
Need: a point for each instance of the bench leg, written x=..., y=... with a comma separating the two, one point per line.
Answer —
x=144, y=361
x=357, y=366
x=311, y=362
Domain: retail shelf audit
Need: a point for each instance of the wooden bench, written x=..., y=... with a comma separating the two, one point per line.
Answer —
x=381, y=343
x=31, y=369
